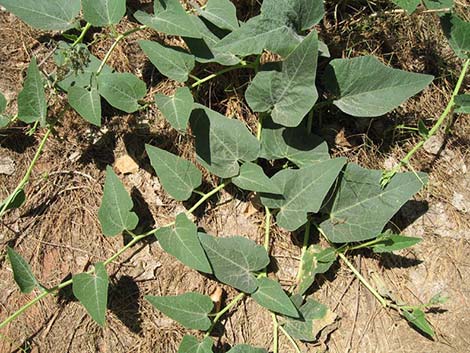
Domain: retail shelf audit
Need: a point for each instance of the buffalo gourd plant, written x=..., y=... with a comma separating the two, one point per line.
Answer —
x=348, y=205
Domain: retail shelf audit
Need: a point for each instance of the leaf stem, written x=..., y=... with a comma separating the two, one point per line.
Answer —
x=221, y=72
x=134, y=240
x=267, y=228
x=27, y=175
x=221, y=313
x=82, y=35
x=308, y=226
x=291, y=340
x=388, y=175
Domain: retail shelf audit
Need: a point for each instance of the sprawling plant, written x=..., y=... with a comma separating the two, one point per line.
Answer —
x=348, y=205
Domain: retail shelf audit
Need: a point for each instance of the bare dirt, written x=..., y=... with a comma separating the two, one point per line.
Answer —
x=58, y=233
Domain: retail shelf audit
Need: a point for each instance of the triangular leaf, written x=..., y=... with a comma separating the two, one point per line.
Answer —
x=315, y=317
x=462, y=101
x=92, y=291
x=244, y=348
x=271, y=296
x=222, y=142
x=178, y=176
x=288, y=95
x=457, y=32
x=234, y=260
x=365, y=87
x=418, y=319
x=314, y=261
x=22, y=273
x=115, y=213
x=15, y=201
x=392, y=242
x=252, y=178
x=190, y=344
x=362, y=208
x=294, y=144
x=189, y=309
x=304, y=190
x=32, y=104
x=222, y=13
x=122, y=90
x=182, y=241
x=55, y=15
x=87, y=103
x=177, y=108
x=101, y=13
x=172, y=62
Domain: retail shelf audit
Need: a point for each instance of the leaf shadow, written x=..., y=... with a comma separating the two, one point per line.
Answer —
x=142, y=209
x=100, y=153
x=16, y=141
x=124, y=303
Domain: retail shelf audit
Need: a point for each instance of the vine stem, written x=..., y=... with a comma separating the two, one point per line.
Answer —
x=221, y=72
x=134, y=240
x=221, y=313
x=27, y=175
x=448, y=110
x=291, y=340
x=82, y=35
x=306, y=239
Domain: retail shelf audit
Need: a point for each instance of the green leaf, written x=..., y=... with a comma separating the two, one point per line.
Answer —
x=4, y=121
x=190, y=344
x=439, y=4
x=3, y=103
x=422, y=129
x=290, y=94
x=304, y=190
x=87, y=103
x=365, y=87
x=32, y=103
x=22, y=273
x=222, y=142
x=234, y=260
x=177, y=108
x=315, y=260
x=418, y=319
x=92, y=291
x=173, y=62
x=244, y=348
x=390, y=243
x=294, y=144
x=178, y=176
x=252, y=178
x=361, y=207
x=181, y=241
x=314, y=318
x=115, y=213
x=45, y=14
x=102, y=13
x=16, y=202
x=276, y=29
x=457, y=32
x=462, y=101
x=222, y=13
x=122, y=90
x=171, y=20
x=271, y=296
x=189, y=309
x=409, y=6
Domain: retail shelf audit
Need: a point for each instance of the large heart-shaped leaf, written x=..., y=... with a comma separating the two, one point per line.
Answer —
x=222, y=142
x=290, y=94
x=190, y=344
x=362, y=208
x=45, y=14
x=115, y=213
x=32, y=103
x=457, y=32
x=294, y=144
x=304, y=190
x=172, y=62
x=178, y=176
x=271, y=296
x=101, y=13
x=189, y=309
x=252, y=178
x=276, y=29
x=87, y=103
x=92, y=291
x=222, y=13
x=22, y=273
x=176, y=108
x=234, y=260
x=122, y=90
x=181, y=241
x=365, y=87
